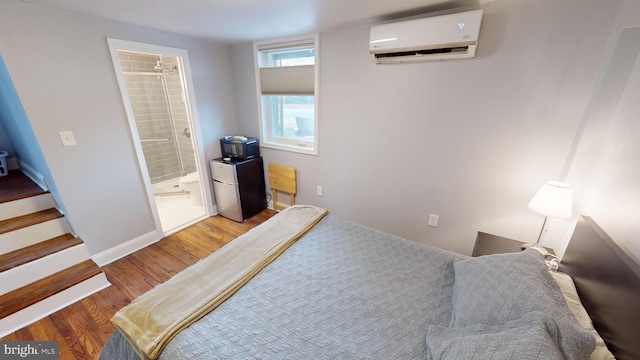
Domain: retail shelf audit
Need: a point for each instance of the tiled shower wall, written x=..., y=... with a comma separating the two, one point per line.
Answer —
x=154, y=102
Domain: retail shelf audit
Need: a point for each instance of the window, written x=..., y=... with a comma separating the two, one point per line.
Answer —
x=287, y=93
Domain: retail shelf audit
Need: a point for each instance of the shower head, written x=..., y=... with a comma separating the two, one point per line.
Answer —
x=161, y=67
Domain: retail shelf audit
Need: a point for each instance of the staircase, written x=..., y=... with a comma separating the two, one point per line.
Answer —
x=43, y=267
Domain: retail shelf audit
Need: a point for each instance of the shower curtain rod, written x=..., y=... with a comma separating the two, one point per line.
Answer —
x=154, y=140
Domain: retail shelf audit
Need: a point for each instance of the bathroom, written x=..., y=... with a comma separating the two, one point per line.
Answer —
x=156, y=94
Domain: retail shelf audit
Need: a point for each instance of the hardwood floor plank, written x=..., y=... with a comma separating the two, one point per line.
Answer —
x=44, y=330
x=97, y=316
x=110, y=300
x=152, y=275
x=11, y=337
x=187, y=244
x=90, y=333
x=162, y=261
x=52, y=334
x=83, y=328
x=73, y=343
x=171, y=246
x=38, y=332
x=24, y=334
x=131, y=277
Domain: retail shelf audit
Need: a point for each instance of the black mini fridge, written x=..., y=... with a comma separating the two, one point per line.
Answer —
x=239, y=187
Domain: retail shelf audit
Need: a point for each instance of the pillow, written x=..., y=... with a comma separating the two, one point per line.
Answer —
x=531, y=337
x=570, y=294
x=496, y=289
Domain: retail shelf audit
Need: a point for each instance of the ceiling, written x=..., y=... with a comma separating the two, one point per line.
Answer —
x=234, y=21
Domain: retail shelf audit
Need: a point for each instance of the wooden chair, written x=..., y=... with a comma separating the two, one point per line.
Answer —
x=282, y=178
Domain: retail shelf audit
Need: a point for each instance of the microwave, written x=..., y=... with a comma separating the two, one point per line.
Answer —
x=239, y=148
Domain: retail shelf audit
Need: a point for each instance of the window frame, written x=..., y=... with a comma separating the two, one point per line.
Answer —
x=266, y=138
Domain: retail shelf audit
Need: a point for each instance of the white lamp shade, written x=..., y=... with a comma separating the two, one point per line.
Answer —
x=553, y=199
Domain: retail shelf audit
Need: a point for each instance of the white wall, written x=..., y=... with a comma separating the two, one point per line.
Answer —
x=470, y=140
x=20, y=139
x=4, y=141
x=612, y=196
x=61, y=67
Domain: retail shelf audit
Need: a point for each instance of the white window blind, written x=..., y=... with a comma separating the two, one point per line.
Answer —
x=288, y=80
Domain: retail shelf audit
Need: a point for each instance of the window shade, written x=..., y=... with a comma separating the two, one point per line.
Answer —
x=287, y=80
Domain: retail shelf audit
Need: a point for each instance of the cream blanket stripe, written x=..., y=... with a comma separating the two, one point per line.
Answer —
x=154, y=318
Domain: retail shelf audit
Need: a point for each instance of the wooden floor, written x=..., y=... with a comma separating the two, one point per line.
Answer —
x=83, y=328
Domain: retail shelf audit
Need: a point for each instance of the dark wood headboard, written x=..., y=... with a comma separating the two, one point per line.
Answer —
x=608, y=282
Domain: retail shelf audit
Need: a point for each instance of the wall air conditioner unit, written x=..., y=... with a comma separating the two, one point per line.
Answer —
x=452, y=36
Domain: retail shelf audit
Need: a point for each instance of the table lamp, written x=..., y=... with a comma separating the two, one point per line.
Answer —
x=553, y=199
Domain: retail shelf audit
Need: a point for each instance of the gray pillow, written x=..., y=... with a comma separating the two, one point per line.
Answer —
x=496, y=289
x=531, y=337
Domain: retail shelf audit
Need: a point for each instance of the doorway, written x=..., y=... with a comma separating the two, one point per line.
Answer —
x=154, y=85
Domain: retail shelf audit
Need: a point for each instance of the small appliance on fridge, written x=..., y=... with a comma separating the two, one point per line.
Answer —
x=239, y=187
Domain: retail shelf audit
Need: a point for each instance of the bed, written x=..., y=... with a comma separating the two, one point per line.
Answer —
x=343, y=291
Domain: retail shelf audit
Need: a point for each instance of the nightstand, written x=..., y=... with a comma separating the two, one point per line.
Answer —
x=487, y=244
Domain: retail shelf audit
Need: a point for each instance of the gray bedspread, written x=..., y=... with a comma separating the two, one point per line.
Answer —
x=341, y=292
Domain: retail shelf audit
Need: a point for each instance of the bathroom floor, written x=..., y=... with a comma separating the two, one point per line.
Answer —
x=175, y=210
x=177, y=213
x=167, y=186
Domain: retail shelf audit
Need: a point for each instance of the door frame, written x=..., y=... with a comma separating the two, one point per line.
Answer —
x=116, y=45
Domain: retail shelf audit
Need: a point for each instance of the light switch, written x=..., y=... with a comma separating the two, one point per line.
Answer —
x=67, y=138
x=433, y=220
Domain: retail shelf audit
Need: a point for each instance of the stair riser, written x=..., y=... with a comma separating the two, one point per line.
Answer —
x=37, y=288
x=38, y=269
x=34, y=234
x=48, y=306
x=26, y=206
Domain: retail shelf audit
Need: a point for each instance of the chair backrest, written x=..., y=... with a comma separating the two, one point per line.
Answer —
x=282, y=178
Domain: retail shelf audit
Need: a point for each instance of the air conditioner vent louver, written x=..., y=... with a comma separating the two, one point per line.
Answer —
x=450, y=36
x=463, y=49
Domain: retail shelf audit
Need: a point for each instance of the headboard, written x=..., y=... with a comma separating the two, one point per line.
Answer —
x=608, y=282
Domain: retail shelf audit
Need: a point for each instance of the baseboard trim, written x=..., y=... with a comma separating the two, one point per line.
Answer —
x=33, y=174
x=124, y=249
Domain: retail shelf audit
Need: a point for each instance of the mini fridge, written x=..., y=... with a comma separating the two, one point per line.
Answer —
x=239, y=187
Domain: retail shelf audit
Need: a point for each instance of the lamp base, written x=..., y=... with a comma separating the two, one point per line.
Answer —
x=537, y=247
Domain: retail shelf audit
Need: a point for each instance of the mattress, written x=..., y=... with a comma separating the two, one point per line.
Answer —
x=340, y=278
x=344, y=291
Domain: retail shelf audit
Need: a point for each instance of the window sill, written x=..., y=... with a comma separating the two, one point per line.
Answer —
x=290, y=148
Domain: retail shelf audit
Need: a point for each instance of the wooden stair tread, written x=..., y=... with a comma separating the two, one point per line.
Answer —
x=16, y=185
x=23, y=297
x=24, y=221
x=37, y=251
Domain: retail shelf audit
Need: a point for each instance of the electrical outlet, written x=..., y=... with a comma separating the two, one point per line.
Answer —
x=433, y=220
x=319, y=190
